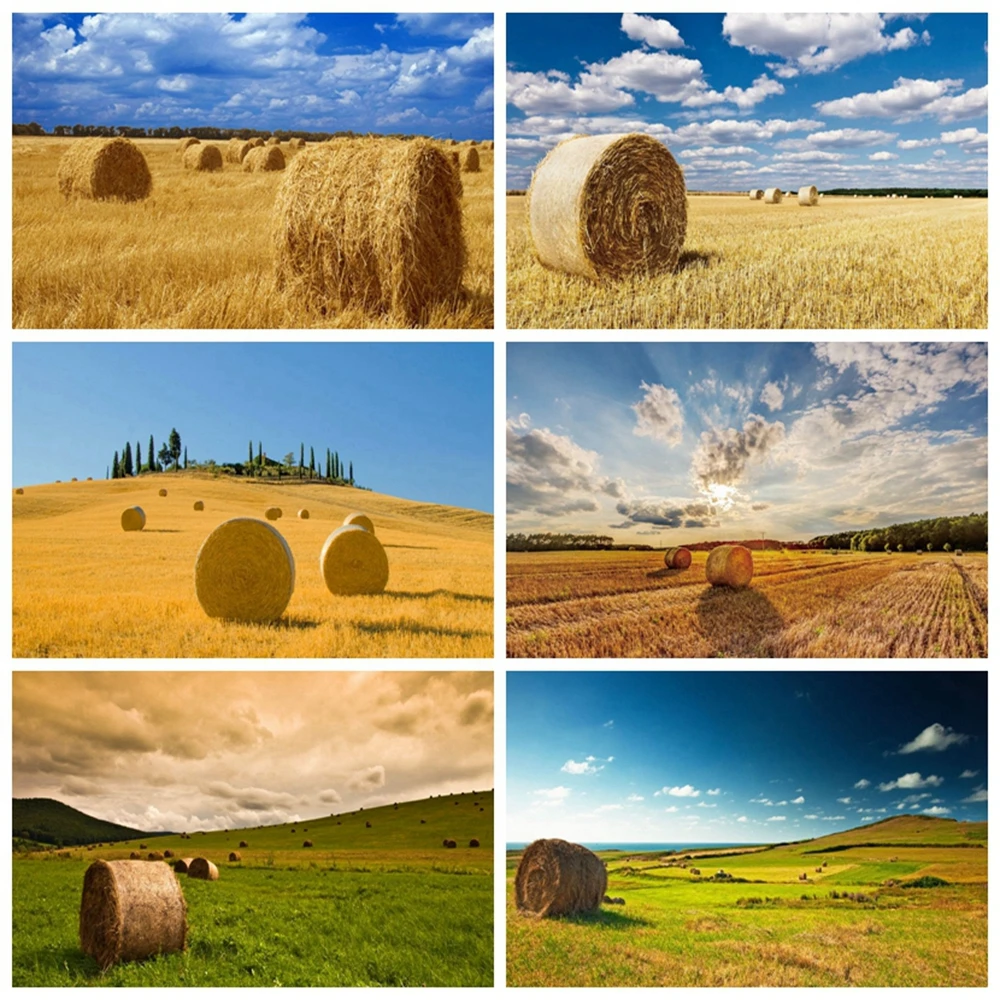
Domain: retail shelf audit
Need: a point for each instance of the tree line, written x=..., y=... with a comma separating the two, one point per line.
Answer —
x=922, y=192
x=969, y=532
x=547, y=542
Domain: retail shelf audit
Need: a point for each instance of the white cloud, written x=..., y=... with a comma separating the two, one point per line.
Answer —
x=798, y=801
x=586, y=766
x=863, y=783
x=883, y=156
x=548, y=93
x=936, y=811
x=724, y=455
x=680, y=791
x=978, y=796
x=810, y=816
x=909, y=100
x=330, y=795
x=968, y=774
x=558, y=794
x=713, y=791
x=934, y=737
x=636, y=798
x=659, y=415
x=846, y=800
x=669, y=809
x=741, y=819
x=772, y=396
x=775, y=819
x=912, y=780
x=659, y=33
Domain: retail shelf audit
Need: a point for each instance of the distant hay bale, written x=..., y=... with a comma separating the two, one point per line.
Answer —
x=608, y=207
x=204, y=869
x=133, y=519
x=303, y=514
x=273, y=513
x=135, y=856
x=958, y=552
x=104, y=170
x=368, y=824
x=773, y=196
x=296, y=143
x=73, y=479
x=677, y=558
x=203, y=157
x=163, y=493
x=556, y=878
x=235, y=856
x=243, y=843
x=181, y=865
x=353, y=562
x=309, y=843
x=154, y=856
x=756, y=194
x=488, y=144
x=142, y=847
x=187, y=141
x=256, y=142
x=808, y=195
x=236, y=150
x=361, y=520
x=199, y=505
x=168, y=854
x=264, y=158
x=244, y=572
x=19, y=490
x=470, y=162
x=131, y=911
x=450, y=844
x=729, y=566
x=273, y=141
x=374, y=224
x=473, y=842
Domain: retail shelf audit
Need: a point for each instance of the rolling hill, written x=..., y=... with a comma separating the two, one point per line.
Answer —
x=48, y=821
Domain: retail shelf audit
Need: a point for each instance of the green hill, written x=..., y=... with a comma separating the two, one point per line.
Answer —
x=905, y=831
x=48, y=821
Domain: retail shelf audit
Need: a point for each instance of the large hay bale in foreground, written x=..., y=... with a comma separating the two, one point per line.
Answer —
x=773, y=196
x=361, y=520
x=677, y=558
x=264, y=158
x=187, y=141
x=556, y=878
x=353, y=562
x=203, y=157
x=133, y=519
x=756, y=194
x=273, y=513
x=204, y=869
x=131, y=910
x=608, y=207
x=244, y=572
x=104, y=170
x=729, y=566
x=199, y=505
x=371, y=223
x=470, y=162
x=808, y=195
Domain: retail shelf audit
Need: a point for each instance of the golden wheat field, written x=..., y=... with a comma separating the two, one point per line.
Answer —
x=845, y=264
x=84, y=587
x=198, y=253
x=813, y=604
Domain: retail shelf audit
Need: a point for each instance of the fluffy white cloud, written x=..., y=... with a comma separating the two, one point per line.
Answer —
x=741, y=819
x=636, y=798
x=978, y=796
x=936, y=811
x=713, y=791
x=799, y=800
x=775, y=819
x=724, y=455
x=659, y=415
x=908, y=100
x=912, y=780
x=862, y=783
x=772, y=396
x=654, y=31
x=551, y=93
x=558, y=794
x=810, y=816
x=846, y=800
x=968, y=774
x=680, y=791
x=934, y=737
x=883, y=156
x=589, y=765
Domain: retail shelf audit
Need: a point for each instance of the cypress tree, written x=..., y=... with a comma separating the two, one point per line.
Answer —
x=114, y=466
x=312, y=462
x=327, y=476
x=250, y=461
x=138, y=458
x=260, y=457
x=350, y=476
x=127, y=460
x=151, y=462
x=302, y=459
x=185, y=457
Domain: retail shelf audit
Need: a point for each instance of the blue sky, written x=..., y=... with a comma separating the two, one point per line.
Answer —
x=749, y=757
x=430, y=74
x=759, y=100
x=416, y=419
x=676, y=443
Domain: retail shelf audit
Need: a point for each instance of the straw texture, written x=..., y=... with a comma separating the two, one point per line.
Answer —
x=729, y=566
x=354, y=562
x=556, y=878
x=104, y=170
x=361, y=520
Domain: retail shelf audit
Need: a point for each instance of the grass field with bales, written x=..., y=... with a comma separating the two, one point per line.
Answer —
x=201, y=251
x=84, y=587
x=902, y=902
x=845, y=263
x=377, y=900
x=798, y=604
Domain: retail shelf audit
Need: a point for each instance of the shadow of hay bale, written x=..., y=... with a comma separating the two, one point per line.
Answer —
x=737, y=622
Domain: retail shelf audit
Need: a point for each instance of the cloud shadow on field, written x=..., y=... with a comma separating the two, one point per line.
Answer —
x=414, y=595
x=735, y=622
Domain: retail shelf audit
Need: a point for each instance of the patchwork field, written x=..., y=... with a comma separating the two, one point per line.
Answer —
x=856, y=922
x=845, y=264
x=84, y=587
x=198, y=253
x=815, y=604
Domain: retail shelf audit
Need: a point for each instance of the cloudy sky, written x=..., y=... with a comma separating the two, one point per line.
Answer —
x=681, y=756
x=425, y=73
x=675, y=443
x=207, y=751
x=759, y=100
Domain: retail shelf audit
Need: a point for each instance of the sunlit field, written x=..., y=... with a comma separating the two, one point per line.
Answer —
x=847, y=263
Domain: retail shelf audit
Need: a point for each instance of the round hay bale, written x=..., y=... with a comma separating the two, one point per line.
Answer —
x=168, y=854
x=677, y=558
x=235, y=856
x=273, y=140
x=237, y=150
x=353, y=562
x=204, y=869
x=244, y=572
x=199, y=505
x=163, y=493
x=303, y=515
x=307, y=843
x=555, y=878
x=729, y=566
x=470, y=162
x=608, y=207
x=264, y=158
x=131, y=911
x=473, y=842
x=104, y=170
x=90, y=479
x=134, y=856
x=450, y=844
x=181, y=865
x=187, y=141
x=243, y=843
x=73, y=479
x=142, y=847
x=154, y=856
x=20, y=490
x=256, y=142
x=808, y=195
x=203, y=157
x=371, y=223
x=773, y=196
x=756, y=194
x=296, y=143
x=361, y=520
x=455, y=159
x=133, y=519
x=272, y=513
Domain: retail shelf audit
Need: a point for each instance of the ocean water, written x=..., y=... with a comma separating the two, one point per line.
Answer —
x=621, y=845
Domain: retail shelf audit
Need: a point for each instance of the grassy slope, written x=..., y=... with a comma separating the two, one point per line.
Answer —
x=52, y=822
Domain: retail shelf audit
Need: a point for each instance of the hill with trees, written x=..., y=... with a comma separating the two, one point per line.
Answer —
x=48, y=821
x=969, y=532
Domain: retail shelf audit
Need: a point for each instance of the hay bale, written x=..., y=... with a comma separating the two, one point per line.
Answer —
x=135, y=856
x=473, y=842
x=273, y=141
x=353, y=562
x=470, y=162
x=455, y=159
x=20, y=490
x=773, y=196
x=235, y=856
x=73, y=479
x=244, y=572
x=142, y=847
x=608, y=207
x=361, y=520
x=555, y=878
x=204, y=869
x=163, y=493
x=131, y=911
x=296, y=143
x=309, y=843
x=303, y=515
x=104, y=170
x=375, y=224
x=273, y=513
x=181, y=865
x=203, y=157
x=264, y=158
x=236, y=150
x=133, y=519
x=187, y=141
x=199, y=505
x=168, y=854
x=808, y=195
x=154, y=856
x=368, y=824
x=450, y=844
x=756, y=194
x=677, y=558
x=256, y=142
x=243, y=843
x=729, y=566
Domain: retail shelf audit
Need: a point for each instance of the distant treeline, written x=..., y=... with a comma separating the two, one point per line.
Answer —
x=546, y=542
x=944, y=533
x=912, y=192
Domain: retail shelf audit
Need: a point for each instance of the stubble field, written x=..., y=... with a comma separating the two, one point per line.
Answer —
x=799, y=604
x=845, y=264
x=198, y=253
x=84, y=587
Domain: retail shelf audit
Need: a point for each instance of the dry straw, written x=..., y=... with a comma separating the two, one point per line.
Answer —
x=303, y=515
x=104, y=170
x=133, y=519
x=371, y=223
x=131, y=910
x=808, y=195
x=470, y=162
x=204, y=869
x=244, y=572
x=678, y=558
x=134, y=856
x=235, y=856
x=354, y=562
x=756, y=194
x=187, y=141
x=773, y=196
x=264, y=158
x=272, y=513
x=361, y=520
x=556, y=878
x=203, y=157
x=608, y=206
x=199, y=505
x=729, y=566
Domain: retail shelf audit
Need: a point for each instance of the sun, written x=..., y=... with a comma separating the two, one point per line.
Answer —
x=721, y=495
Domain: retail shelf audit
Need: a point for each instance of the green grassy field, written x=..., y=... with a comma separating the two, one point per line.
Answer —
x=677, y=929
x=380, y=906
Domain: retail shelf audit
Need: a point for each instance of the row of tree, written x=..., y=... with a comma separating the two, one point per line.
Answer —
x=921, y=192
x=168, y=457
x=547, y=542
x=970, y=532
